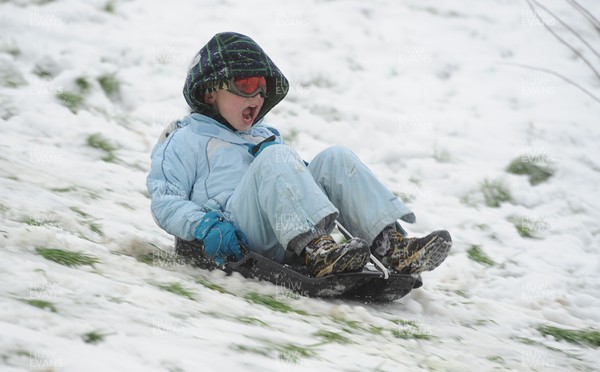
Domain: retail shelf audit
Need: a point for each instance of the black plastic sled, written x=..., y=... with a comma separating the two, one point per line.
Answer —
x=368, y=285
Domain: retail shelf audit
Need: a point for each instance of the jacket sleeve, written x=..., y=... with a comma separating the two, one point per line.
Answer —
x=170, y=182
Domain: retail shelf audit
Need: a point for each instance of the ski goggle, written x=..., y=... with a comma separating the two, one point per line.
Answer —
x=248, y=86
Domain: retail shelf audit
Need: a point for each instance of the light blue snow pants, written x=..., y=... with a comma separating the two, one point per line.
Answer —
x=279, y=198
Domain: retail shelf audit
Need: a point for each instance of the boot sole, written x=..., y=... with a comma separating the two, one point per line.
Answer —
x=429, y=257
x=347, y=262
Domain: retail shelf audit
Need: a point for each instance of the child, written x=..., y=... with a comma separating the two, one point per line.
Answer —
x=223, y=182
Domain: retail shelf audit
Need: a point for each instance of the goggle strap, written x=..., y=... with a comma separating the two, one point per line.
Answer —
x=214, y=85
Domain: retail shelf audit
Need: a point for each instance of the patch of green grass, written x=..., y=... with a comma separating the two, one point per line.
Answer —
x=476, y=254
x=349, y=325
x=523, y=229
x=252, y=320
x=66, y=258
x=477, y=323
x=526, y=341
x=468, y=200
x=12, y=79
x=31, y=222
x=64, y=189
x=83, y=84
x=409, y=330
x=173, y=368
x=97, y=141
x=271, y=303
x=93, y=194
x=329, y=337
x=94, y=227
x=127, y=206
x=495, y=192
x=407, y=334
x=71, y=100
x=584, y=337
x=177, y=289
x=482, y=322
x=292, y=352
x=97, y=228
x=525, y=166
x=148, y=258
x=10, y=48
x=43, y=72
x=289, y=353
x=496, y=358
x=80, y=212
x=264, y=351
x=530, y=227
x=211, y=285
x=161, y=258
x=41, y=304
x=404, y=322
x=42, y=219
x=461, y=293
x=109, y=7
x=376, y=330
x=93, y=337
x=110, y=85
x=291, y=137
x=23, y=353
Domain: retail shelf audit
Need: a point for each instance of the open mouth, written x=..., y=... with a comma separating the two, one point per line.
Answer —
x=249, y=114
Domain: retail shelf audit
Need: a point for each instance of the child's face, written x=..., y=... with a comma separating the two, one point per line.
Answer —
x=239, y=111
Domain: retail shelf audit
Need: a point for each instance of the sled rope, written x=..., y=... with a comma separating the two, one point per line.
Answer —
x=377, y=263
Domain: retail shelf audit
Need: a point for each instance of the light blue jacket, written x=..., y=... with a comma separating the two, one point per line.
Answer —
x=196, y=166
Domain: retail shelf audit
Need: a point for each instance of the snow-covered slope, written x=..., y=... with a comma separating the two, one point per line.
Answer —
x=427, y=93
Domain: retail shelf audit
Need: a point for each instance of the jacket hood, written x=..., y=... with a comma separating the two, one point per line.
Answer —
x=231, y=55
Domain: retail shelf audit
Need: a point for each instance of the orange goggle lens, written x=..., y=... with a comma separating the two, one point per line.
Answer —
x=249, y=86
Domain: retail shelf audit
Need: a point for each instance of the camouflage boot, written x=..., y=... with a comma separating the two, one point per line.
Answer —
x=411, y=255
x=324, y=256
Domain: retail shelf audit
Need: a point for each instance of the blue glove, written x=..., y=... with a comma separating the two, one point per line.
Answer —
x=256, y=149
x=221, y=239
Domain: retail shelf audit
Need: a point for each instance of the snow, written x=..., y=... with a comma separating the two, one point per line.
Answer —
x=425, y=92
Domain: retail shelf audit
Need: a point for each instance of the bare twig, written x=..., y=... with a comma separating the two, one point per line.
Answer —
x=590, y=17
x=529, y=2
x=568, y=28
x=557, y=75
